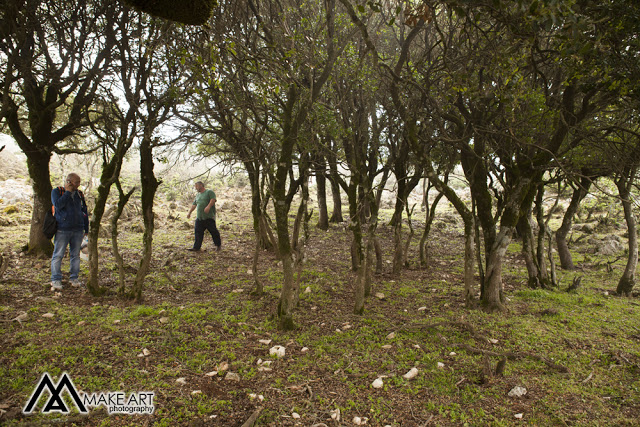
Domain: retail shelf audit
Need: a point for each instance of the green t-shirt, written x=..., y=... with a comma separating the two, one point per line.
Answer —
x=201, y=202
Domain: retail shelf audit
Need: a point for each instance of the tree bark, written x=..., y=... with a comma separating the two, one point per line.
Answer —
x=334, y=179
x=149, y=185
x=122, y=201
x=627, y=281
x=493, y=286
x=321, y=181
x=566, y=261
x=38, y=166
x=109, y=171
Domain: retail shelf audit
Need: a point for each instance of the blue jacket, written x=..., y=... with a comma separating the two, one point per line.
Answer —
x=70, y=210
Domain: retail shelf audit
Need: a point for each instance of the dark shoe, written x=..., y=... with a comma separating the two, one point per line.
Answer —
x=193, y=250
x=218, y=248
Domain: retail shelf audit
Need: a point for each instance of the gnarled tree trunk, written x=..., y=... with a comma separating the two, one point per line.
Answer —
x=566, y=261
x=627, y=281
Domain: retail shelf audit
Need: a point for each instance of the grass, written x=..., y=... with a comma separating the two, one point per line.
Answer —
x=194, y=319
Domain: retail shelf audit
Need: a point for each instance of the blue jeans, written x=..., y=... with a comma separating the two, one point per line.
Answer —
x=62, y=239
x=206, y=224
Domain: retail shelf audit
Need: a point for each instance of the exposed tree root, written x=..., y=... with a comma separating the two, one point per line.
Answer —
x=481, y=339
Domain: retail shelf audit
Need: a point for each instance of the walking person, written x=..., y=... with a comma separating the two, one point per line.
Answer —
x=70, y=211
x=205, y=206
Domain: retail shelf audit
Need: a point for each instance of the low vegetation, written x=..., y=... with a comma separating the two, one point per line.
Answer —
x=575, y=354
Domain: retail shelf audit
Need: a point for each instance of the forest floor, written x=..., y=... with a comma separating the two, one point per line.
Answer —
x=576, y=355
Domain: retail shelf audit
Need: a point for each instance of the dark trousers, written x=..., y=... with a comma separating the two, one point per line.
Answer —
x=201, y=226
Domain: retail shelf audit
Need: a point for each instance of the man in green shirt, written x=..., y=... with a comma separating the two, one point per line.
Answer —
x=205, y=205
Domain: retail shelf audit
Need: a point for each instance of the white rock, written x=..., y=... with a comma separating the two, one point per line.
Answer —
x=140, y=355
x=387, y=346
x=278, y=351
x=517, y=391
x=164, y=320
x=21, y=317
x=440, y=365
x=265, y=342
x=357, y=421
x=422, y=308
x=411, y=374
x=453, y=353
x=307, y=290
x=145, y=352
x=519, y=416
x=81, y=323
x=237, y=291
x=48, y=315
x=224, y=366
x=378, y=383
x=335, y=414
x=304, y=349
x=295, y=416
x=416, y=346
x=195, y=392
x=211, y=374
x=380, y=295
x=116, y=321
x=181, y=381
x=391, y=336
x=249, y=271
x=232, y=376
x=493, y=341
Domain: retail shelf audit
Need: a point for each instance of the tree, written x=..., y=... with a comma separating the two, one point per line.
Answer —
x=53, y=56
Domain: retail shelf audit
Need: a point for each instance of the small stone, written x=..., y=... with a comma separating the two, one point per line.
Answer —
x=195, y=392
x=211, y=374
x=304, y=349
x=440, y=365
x=81, y=323
x=453, y=353
x=493, y=341
x=224, y=366
x=181, y=381
x=416, y=346
x=307, y=290
x=265, y=342
x=519, y=416
x=164, y=320
x=21, y=317
x=335, y=414
x=386, y=346
x=517, y=391
x=377, y=383
x=357, y=421
x=145, y=352
x=278, y=351
x=237, y=291
x=380, y=295
x=411, y=374
x=295, y=416
x=422, y=308
x=48, y=315
x=232, y=376
x=116, y=321
x=391, y=336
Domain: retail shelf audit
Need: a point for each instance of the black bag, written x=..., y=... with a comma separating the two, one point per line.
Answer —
x=49, y=225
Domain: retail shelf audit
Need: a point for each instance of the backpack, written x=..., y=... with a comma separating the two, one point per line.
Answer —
x=50, y=225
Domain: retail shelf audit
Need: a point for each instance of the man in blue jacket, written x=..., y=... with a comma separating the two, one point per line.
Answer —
x=73, y=224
